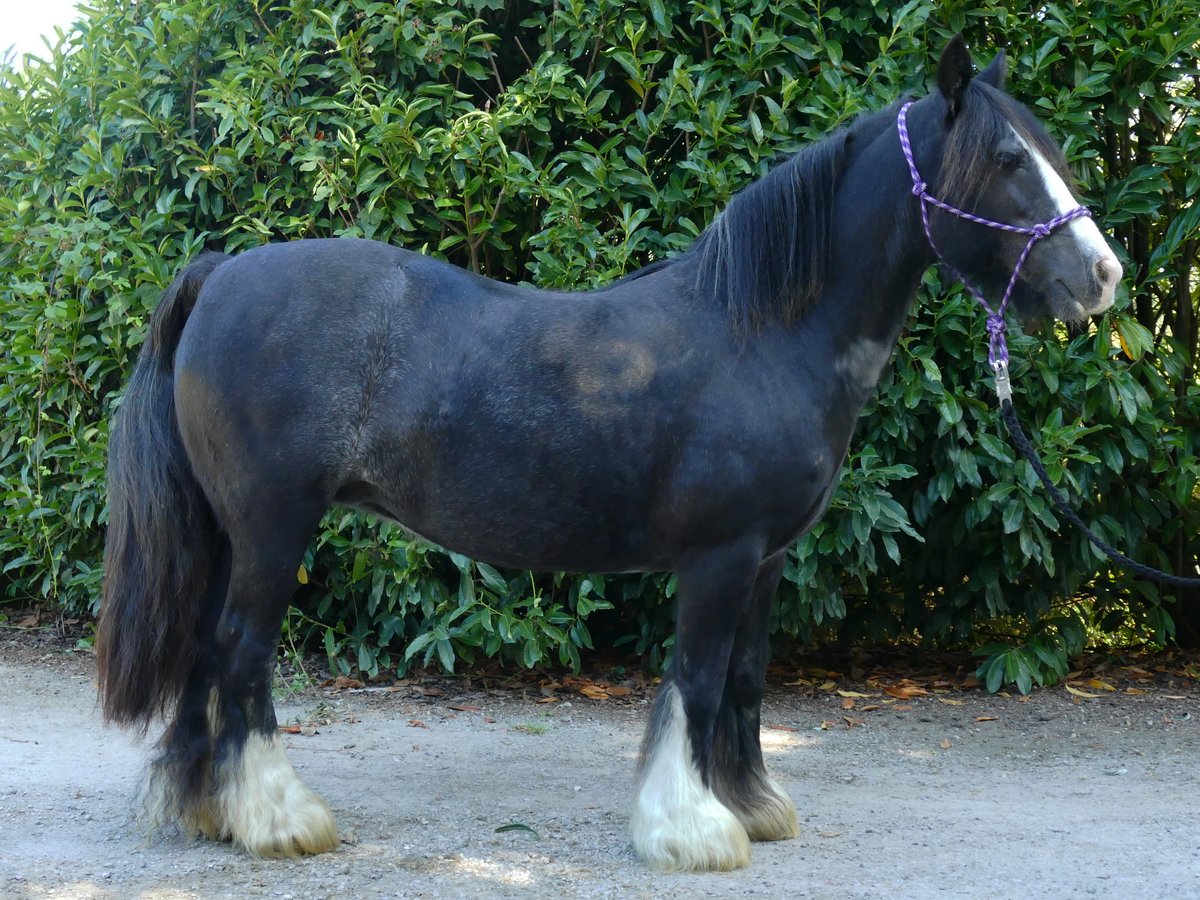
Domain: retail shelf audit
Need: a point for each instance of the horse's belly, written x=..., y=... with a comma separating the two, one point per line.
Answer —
x=539, y=537
x=510, y=511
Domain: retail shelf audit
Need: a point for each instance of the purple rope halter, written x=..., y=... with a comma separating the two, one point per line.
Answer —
x=997, y=345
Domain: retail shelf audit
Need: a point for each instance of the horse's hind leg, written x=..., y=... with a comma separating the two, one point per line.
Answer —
x=678, y=821
x=257, y=800
x=177, y=788
x=740, y=778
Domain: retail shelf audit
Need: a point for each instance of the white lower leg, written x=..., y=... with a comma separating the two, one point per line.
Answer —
x=678, y=823
x=769, y=815
x=263, y=805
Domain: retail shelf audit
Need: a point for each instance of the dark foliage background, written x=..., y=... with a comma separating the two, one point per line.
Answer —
x=565, y=143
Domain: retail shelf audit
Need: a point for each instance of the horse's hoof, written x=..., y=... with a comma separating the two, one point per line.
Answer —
x=706, y=837
x=771, y=816
x=268, y=810
x=307, y=830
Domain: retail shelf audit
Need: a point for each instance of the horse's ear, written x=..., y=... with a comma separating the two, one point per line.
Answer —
x=996, y=72
x=954, y=73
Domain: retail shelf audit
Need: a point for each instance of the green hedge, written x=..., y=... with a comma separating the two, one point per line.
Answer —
x=565, y=143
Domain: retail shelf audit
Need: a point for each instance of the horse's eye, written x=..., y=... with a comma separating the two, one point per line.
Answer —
x=1010, y=160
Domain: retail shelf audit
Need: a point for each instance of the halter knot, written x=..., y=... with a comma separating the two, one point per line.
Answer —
x=997, y=344
x=919, y=189
x=1041, y=229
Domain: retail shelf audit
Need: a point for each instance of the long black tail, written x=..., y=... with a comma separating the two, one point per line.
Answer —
x=161, y=531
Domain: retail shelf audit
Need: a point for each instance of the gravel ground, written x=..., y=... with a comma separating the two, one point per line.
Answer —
x=948, y=795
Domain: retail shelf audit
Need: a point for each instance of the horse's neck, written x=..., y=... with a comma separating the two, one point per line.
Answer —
x=879, y=256
x=824, y=367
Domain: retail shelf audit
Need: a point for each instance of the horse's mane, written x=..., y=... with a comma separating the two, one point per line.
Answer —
x=765, y=257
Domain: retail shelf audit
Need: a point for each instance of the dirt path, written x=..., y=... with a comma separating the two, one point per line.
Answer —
x=1054, y=798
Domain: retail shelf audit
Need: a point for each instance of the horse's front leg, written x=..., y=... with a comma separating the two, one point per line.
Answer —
x=740, y=777
x=678, y=822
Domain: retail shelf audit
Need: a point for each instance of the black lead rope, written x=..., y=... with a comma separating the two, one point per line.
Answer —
x=1027, y=450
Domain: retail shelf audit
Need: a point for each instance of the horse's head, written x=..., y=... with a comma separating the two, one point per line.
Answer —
x=991, y=157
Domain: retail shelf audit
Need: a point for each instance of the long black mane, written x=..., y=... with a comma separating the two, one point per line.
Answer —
x=765, y=256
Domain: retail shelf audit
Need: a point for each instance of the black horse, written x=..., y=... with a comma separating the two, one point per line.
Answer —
x=690, y=417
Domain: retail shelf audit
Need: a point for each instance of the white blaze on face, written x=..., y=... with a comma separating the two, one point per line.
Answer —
x=1091, y=242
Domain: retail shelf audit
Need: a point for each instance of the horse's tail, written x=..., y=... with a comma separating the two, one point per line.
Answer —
x=161, y=531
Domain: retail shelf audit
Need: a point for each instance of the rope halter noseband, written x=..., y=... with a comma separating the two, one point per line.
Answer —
x=997, y=345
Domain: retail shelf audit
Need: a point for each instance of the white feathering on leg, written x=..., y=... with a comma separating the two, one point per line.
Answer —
x=771, y=815
x=678, y=824
x=264, y=806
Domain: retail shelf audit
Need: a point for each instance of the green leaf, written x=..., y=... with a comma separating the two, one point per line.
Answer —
x=518, y=826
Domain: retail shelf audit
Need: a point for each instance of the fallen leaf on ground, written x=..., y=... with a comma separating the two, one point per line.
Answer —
x=1078, y=693
x=342, y=683
x=950, y=702
x=548, y=700
x=290, y=729
x=854, y=722
x=619, y=691
x=852, y=694
x=985, y=718
x=416, y=723
x=1133, y=690
x=945, y=744
x=904, y=691
x=464, y=707
x=594, y=691
x=1099, y=685
x=783, y=728
x=847, y=703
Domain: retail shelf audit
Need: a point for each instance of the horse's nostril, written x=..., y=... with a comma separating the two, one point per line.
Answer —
x=1108, y=272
